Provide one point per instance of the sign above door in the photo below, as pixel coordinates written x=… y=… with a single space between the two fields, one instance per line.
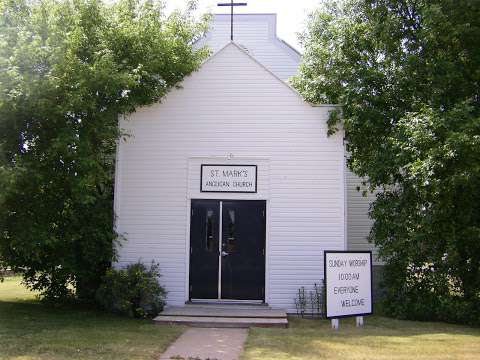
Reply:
x=228 y=178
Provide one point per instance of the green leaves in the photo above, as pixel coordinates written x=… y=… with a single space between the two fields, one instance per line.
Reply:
x=68 y=70
x=133 y=291
x=407 y=74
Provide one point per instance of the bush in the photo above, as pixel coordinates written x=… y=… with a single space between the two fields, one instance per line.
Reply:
x=449 y=309
x=428 y=300
x=133 y=291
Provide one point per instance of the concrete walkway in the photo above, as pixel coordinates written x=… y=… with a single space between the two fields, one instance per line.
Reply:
x=204 y=343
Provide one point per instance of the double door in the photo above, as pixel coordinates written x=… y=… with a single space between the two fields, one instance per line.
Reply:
x=227 y=250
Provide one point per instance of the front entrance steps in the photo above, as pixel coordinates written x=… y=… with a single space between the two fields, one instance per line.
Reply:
x=223 y=316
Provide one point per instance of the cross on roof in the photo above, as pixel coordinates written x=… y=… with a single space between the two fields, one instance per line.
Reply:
x=231 y=4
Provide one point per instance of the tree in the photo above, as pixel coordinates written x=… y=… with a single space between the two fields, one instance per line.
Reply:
x=407 y=73
x=68 y=70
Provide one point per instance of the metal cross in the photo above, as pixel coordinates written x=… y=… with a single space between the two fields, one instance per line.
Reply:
x=232 y=4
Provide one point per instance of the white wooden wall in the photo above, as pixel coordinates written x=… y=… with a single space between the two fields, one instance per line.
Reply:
x=257 y=33
x=358 y=221
x=232 y=107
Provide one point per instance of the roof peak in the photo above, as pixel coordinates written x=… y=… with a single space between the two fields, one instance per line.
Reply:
x=245 y=52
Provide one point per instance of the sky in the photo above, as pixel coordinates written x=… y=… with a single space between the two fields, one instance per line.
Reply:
x=291 y=14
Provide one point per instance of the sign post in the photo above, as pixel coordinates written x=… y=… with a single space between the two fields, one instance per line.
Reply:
x=359 y=321
x=348 y=285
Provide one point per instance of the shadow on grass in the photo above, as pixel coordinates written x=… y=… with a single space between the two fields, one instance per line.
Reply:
x=34 y=330
x=33 y=315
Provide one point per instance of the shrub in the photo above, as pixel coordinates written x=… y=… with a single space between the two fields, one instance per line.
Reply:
x=133 y=291
x=429 y=303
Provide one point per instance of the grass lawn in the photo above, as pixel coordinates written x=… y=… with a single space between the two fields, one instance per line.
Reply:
x=30 y=330
x=382 y=338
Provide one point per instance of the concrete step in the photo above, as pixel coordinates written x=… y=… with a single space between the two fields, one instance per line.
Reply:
x=230 y=311
x=229 y=305
x=221 y=322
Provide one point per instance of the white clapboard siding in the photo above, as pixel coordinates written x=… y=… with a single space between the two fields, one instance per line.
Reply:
x=256 y=33
x=232 y=110
x=358 y=221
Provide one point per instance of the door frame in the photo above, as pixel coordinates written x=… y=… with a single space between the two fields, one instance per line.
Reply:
x=187 y=252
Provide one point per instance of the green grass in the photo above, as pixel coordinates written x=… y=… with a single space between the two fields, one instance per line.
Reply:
x=30 y=330
x=382 y=338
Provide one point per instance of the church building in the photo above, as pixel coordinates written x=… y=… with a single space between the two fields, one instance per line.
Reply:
x=231 y=183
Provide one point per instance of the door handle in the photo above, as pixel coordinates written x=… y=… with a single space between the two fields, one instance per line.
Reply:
x=224 y=253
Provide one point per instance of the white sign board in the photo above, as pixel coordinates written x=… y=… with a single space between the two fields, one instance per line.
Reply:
x=348 y=283
x=228 y=178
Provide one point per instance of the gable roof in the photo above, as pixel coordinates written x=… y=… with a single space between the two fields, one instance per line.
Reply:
x=285 y=84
